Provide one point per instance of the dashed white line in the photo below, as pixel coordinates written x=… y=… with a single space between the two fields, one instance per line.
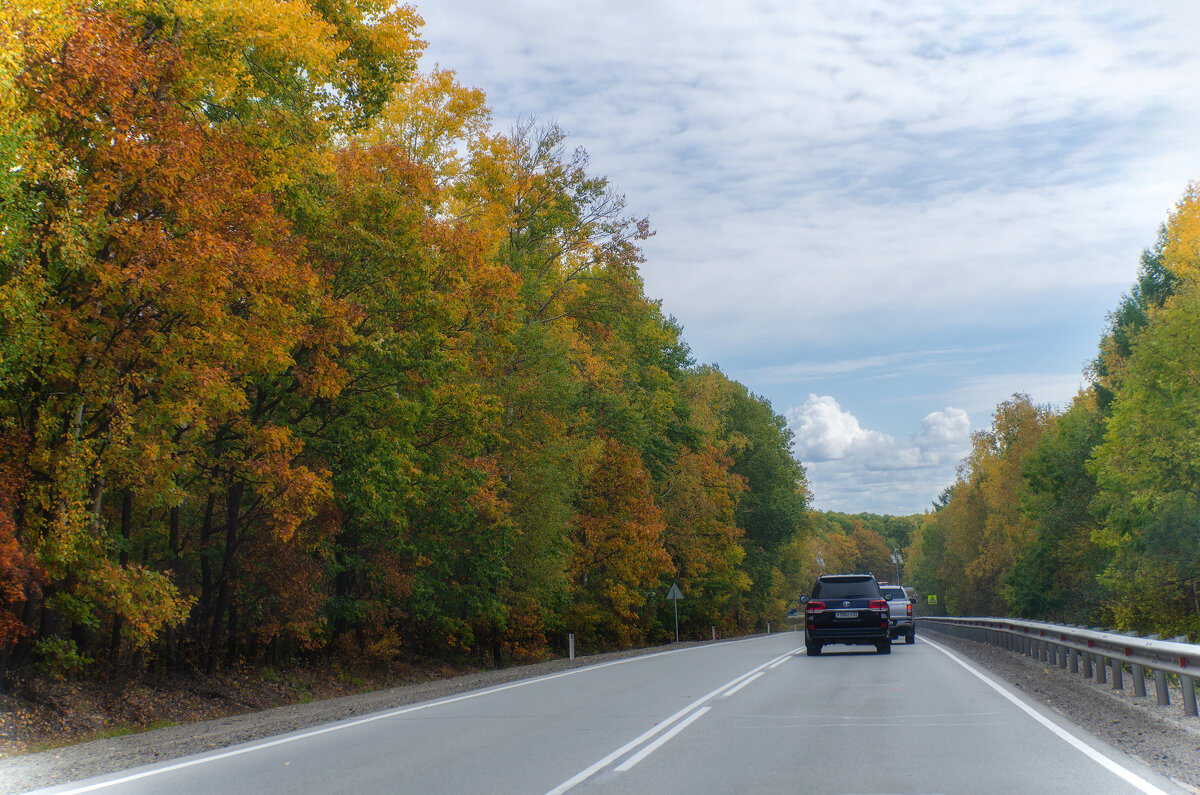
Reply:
x=744 y=683
x=779 y=662
x=596 y=767
x=654 y=746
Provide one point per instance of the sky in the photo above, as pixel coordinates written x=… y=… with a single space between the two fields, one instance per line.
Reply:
x=883 y=217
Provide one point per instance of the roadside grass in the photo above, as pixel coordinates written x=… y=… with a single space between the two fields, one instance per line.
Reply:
x=120 y=730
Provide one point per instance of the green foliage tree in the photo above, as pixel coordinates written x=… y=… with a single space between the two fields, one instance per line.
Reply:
x=1055 y=575
x=1148 y=477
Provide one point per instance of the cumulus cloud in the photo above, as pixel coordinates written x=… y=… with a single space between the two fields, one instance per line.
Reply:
x=825 y=432
x=852 y=468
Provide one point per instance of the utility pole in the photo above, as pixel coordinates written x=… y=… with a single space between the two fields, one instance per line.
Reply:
x=897 y=559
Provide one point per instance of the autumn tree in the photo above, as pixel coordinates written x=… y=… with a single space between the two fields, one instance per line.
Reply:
x=618 y=555
x=772 y=511
x=1054 y=576
x=982 y=530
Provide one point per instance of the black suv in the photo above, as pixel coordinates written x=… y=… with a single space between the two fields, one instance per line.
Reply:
x=846 y=608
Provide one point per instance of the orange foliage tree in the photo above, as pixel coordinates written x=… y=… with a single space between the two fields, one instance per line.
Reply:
x=618 y=555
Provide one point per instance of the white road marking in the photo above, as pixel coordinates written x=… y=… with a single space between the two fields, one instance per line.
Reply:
x=596 y=767
x=213 y=757
x=654 y=746
x=745 y=682
x=1108 y=764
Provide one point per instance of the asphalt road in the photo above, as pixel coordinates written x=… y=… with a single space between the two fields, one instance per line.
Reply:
x=750 y=716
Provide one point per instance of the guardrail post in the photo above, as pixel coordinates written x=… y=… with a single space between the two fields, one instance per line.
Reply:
x=1118 y=680
x=571 y=645
x=1101 y=669
x=1160 y=679
x=1160 y=686
x=1062 y=660
x=1188 y=685
x=1139 y=680
x=1087 y=664
x=1074 y=654
x=1189 y=694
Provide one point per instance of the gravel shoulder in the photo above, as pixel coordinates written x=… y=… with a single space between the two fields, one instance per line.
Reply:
x=1161 y=737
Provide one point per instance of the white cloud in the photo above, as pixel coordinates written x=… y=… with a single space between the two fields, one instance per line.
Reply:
x=824 y=432
x=840 y=166
x=934 y=193
x=982 y=393
x=944 y=430
x=851 y=468
x=891 y=365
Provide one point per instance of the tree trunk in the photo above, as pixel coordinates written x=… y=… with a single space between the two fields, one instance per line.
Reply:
x=114 y=644
x=173 y=630
x=206 y=578
x=233 y=505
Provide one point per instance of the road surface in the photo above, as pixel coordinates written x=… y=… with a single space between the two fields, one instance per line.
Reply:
x=747 y=716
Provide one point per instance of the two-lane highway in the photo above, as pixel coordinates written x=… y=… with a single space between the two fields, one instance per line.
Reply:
x=745 y=716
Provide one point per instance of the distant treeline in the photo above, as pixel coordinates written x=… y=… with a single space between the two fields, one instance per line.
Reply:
x=300 y=357
x=1091 y=513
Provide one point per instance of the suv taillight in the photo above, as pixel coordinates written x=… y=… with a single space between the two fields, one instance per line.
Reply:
x=815 y=607
x=881 y=605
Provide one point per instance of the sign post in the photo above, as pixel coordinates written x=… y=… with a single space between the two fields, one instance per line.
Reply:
x=675 y=595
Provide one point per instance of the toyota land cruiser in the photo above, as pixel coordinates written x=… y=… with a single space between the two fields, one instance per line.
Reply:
x=846 y=608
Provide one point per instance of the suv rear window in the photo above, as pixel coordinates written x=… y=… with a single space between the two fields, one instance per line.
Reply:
x=848 y=588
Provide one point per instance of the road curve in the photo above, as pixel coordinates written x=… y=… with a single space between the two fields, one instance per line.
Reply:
x=744 y=716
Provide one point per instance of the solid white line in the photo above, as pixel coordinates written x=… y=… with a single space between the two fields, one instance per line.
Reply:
x=591 y=770
x=360 y=721
x=654 y=746
x=780 y=662
x=745 y=682
x=1108 y=764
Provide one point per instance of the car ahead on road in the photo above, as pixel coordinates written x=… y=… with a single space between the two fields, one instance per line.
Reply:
x=900 y=607
x=846 y=608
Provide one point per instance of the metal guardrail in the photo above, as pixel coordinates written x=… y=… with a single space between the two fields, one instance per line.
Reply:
x=1093 y=652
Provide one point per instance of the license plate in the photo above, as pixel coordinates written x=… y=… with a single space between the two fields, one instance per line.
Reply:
x=846 y=614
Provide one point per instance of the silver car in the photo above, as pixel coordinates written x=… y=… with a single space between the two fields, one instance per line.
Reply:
x=900 y=608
